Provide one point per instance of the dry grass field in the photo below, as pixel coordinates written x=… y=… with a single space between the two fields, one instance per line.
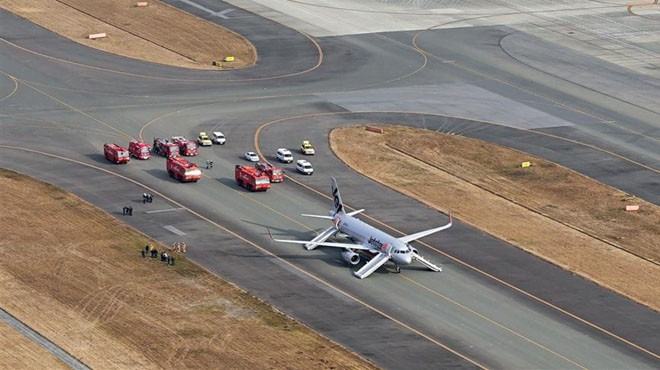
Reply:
x=19 y=352
x=548 y=210
x=74 y=274
x=157 y=33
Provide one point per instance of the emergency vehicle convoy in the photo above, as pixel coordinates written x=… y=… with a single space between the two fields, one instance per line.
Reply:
x=115 y=153
x=165 y=148
x=180 y=169
x=139 y=149
x=251 y=179
x=186 y=147
x=275 y=174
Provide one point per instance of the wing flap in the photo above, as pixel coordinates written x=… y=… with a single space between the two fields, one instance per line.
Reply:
x=372 y=265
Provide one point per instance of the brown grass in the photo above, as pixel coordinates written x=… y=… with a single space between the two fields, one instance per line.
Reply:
x=19 y=352
x=158 y=33
x=74 y=274
x=555 y=213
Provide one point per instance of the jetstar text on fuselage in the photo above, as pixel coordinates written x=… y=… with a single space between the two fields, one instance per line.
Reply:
x=376 y=243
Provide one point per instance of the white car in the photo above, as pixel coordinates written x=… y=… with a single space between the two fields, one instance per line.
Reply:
x=218 y=137
x=251 y=156
x=284 y=155
x=304 y=167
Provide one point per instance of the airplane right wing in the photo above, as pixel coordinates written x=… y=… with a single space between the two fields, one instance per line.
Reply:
x=421 y=234
x=372 y=265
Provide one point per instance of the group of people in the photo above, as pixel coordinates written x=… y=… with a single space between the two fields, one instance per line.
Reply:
x=179 y=247
x=153 y=252
x=209 y=164
x=147 y=198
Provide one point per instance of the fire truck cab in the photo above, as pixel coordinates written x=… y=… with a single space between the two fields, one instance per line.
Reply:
x=251 y=179
x=139 y=149
x=186 y=147
x=275 y=174
x=165 y=148
x=180 y=169
x=115 y=153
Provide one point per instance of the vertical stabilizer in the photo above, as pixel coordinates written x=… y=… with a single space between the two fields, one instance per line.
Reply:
x=336 y=198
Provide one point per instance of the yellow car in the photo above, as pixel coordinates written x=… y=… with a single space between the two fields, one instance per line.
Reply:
x=307 y=148
x=204 y=140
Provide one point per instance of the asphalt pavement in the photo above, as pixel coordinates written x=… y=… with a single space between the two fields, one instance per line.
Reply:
x=492 y=306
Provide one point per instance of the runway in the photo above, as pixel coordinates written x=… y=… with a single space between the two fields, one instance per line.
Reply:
x=493 y=306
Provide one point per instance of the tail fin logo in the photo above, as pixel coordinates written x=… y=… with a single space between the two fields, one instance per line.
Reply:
x=339 y=207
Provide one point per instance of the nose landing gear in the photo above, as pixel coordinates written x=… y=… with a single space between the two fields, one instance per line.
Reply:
x=397 y=269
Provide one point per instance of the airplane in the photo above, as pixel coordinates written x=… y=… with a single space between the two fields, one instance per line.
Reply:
x=378 y=245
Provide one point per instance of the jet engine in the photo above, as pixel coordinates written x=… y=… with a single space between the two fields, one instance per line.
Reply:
x=350 y=257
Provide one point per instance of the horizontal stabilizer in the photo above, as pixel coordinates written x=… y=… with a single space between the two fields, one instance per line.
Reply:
x=355 y=212
x=318 y=216
x=372 y=265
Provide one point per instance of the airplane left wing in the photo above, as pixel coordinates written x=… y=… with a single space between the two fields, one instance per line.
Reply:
x=421 y=234
x=323 y=244
x=327 y=233
x=372 y=265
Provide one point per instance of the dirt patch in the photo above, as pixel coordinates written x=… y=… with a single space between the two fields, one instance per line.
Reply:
x=111 y=308
x=157 y=33
x=555 y=213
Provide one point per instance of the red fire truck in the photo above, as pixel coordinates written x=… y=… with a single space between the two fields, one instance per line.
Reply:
x=115 y=153
x=275 y=174
x=165 y=148
x=186 y=147
x=139 y=149
x=251 y=179
x=182 y=170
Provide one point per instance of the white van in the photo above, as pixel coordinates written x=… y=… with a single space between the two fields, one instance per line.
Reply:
x=284 y=155
x=218 y=137
x=304 y=167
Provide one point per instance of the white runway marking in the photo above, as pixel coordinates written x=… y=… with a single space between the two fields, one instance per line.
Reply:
x=174 y=230
x=220 y=14
x=165 y=210
x=223 y=14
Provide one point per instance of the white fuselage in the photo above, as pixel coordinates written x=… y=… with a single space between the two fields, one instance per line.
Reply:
x=377 y=240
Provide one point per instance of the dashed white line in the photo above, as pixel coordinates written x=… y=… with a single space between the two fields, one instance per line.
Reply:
x=165 y=210
x=174 y=230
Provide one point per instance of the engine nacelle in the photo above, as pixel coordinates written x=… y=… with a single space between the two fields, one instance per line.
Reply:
x=350 y=257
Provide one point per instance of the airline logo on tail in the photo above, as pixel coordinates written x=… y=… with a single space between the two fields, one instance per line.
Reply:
x=339 y=206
